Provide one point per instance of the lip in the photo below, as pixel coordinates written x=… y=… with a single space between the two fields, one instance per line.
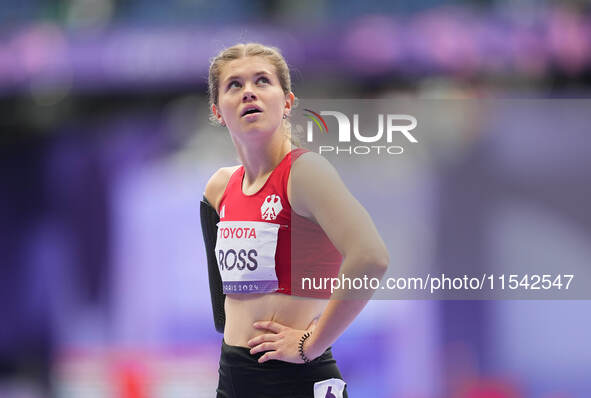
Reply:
x=249 y=108
x=251 y=117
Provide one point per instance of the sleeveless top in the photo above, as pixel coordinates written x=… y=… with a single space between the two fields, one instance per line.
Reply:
x=263 y=246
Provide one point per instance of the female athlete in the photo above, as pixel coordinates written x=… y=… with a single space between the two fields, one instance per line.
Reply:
x=280 y=216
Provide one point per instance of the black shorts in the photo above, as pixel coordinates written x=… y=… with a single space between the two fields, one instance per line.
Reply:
x=241 y=376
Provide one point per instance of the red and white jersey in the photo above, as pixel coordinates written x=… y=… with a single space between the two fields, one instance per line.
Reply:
x=256 y=236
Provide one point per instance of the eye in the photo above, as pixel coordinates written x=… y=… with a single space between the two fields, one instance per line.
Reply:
x=263 y=79
x=233 y=83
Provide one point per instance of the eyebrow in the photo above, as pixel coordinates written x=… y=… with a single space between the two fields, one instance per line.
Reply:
x=238 y=77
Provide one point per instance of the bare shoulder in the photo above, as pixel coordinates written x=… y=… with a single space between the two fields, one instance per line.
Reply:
x=217 y=185
x=312 y=161
x=311 y=168
x=312 y=176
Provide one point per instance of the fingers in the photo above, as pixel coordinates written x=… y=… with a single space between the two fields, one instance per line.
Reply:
x=263 y=347
x=262 y=339
x=269 y=325
x=269 y=355
x=280 y=344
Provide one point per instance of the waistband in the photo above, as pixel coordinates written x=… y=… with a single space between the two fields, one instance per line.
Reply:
x=236 y=356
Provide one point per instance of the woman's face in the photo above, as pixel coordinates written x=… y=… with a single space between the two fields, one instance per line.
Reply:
x=250 y=97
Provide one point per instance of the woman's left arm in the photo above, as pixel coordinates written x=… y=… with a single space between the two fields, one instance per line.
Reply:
x=317 y=192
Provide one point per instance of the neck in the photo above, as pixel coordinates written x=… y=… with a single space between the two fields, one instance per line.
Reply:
x=260 y=158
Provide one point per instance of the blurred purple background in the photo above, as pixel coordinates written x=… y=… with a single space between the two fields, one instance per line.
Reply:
x=106 y=149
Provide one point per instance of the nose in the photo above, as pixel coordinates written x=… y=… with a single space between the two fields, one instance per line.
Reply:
x=248 y=94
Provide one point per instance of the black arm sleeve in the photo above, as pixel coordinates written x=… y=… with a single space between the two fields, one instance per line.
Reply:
x=209 y=220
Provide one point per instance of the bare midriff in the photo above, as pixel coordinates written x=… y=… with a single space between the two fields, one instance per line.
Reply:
x=242 y=310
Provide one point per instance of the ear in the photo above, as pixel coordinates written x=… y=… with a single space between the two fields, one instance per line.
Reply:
x=289 y=100
x=217 y=114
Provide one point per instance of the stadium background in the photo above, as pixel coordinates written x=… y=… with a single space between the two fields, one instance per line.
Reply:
x=105 y=150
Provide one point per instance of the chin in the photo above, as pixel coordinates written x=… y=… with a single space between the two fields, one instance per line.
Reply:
x=255 y=130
